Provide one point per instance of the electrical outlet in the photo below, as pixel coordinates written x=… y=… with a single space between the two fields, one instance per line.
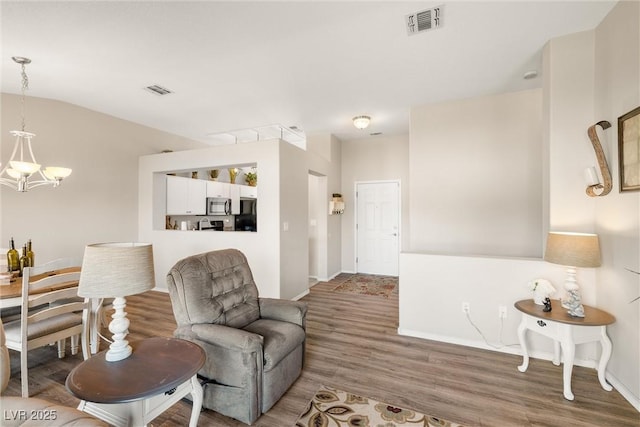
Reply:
x=502 y=312
x=465 y=307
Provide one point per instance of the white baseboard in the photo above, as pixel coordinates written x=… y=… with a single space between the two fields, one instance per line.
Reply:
x=326 y=279
x=297 y=297
x=482 y=345
x=624 y=391
x=163 y=290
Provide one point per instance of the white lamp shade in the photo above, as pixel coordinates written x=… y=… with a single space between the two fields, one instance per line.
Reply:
x=573 y=249
x=116 y=270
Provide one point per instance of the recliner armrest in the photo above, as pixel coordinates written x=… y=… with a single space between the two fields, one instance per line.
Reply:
x=283 y=310
x=222 y=336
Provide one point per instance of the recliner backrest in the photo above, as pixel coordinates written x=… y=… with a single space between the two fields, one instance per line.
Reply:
x=214 y=287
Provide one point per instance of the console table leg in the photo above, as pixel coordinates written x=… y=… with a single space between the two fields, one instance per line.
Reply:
x=556 y=353
x=604 y=359
x=196 y=395
x=568 y=353
x=522 y=329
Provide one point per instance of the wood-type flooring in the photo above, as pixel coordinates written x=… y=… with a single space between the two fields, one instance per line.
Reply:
x=352 y=344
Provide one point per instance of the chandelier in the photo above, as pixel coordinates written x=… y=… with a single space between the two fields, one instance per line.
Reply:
x=22 y=166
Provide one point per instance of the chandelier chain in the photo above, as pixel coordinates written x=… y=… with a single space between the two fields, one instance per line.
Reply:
x=25 y=87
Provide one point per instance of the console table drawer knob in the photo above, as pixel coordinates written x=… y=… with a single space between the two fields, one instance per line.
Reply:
x=541 y=323
x=170 y=392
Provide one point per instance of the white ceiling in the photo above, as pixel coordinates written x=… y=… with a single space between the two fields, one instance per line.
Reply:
x=310 y=64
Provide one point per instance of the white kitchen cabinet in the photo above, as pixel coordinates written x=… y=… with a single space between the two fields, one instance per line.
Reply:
x=234 y=195
x=186 y=196
x=218 y=189
x=248 y=192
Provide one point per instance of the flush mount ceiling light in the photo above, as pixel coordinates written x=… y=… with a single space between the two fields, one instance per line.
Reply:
x=532 y=74
x=18 y=171
x=361 y=122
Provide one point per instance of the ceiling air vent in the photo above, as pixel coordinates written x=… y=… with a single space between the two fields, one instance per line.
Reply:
x=158 y=90
x=424 y=20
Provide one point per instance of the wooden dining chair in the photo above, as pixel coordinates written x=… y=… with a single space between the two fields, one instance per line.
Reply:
x=60 y=314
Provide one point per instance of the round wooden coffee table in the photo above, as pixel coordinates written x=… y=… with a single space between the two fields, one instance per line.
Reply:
x=134 y=391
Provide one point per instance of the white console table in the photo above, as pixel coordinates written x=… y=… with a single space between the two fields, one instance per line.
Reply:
x=566 y=331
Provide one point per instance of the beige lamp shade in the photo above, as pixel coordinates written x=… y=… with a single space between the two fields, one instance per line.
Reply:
x=116 y=270
x=573 y=249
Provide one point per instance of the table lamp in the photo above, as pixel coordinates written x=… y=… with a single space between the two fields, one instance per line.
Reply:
x=573 y=250
x=117 y=270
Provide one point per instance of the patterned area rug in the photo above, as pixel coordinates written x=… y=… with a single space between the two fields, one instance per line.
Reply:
x=369 y=284
x=335 y=408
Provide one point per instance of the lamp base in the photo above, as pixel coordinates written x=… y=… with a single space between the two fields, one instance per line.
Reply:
x=119 y=327
x=573 y=303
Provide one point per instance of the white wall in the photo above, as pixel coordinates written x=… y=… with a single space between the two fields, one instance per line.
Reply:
x=593 y=76
x=98 y=202
x=570 y=83
x=476 y=177
x=433 y=287
x=588 y=77
x=324 y=160
x=294 y=212
x=372 y=159
x=569 y=110
x=617 y=91
x=262 y=248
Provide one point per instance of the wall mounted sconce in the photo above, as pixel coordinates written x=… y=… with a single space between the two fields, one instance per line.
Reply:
x=594 y=187
x=336 y=205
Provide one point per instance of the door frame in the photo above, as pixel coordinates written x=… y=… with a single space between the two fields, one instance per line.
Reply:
x=355 y=216
x=320 y=249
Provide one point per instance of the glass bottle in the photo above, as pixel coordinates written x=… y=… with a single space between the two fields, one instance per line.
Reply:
x=13 y=261
x=30 y=254
x=24 y=260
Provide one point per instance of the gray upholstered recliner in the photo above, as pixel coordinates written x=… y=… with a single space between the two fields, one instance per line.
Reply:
x=254 y=346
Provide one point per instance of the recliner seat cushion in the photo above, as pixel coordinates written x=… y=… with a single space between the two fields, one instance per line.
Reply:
x=280 y=339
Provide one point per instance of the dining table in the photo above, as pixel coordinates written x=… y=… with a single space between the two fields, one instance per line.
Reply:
x=11 y=296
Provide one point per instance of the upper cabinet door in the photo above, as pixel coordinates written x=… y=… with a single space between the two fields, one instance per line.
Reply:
x=234 y=194
x=197 y=204
x=186 y=196
x=217 y=189
x=248 y=192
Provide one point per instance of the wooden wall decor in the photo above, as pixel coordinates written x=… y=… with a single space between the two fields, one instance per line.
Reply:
x=604 y=188
x=629 y=150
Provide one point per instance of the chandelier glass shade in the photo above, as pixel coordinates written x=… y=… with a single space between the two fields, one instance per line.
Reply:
x=22 y=172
